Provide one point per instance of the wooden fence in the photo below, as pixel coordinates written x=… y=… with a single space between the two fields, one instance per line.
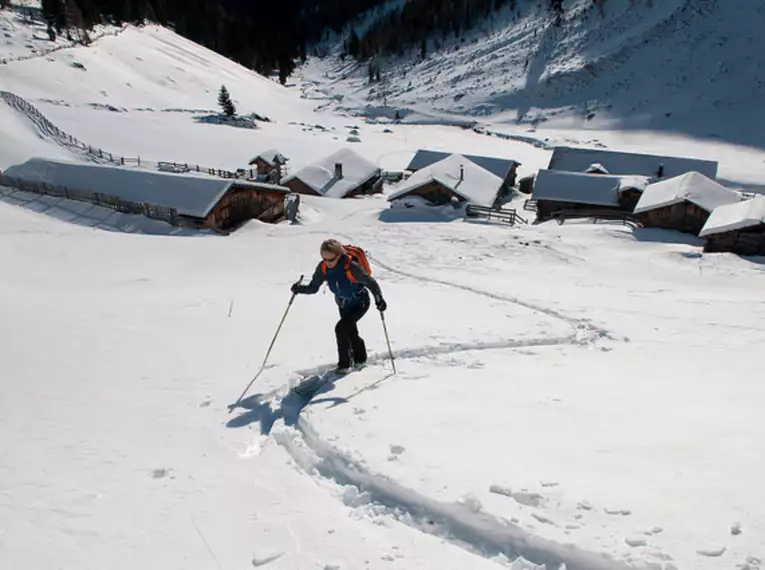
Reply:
x=509 y=216
x=596 y=216
x=99 y=155
x=59 y=47
x=154 y=211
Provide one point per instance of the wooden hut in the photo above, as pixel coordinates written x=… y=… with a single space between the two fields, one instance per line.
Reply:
x=575 y=159
x=455 y=178
x=198 y=200
x=682 y=203
x=504 y=168
x=343 y=174
x=269 y=165
x=737 y=228
x=559 y=193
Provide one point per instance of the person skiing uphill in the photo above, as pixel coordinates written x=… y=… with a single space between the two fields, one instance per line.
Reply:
x=341 y=267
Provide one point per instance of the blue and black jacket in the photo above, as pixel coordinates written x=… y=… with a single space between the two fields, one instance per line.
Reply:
x=347 y=293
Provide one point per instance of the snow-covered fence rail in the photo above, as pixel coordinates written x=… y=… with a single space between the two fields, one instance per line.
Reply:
x=154 y=211
x=48 y=129
x=509 y=216
x=624 y=218
x=59 y=47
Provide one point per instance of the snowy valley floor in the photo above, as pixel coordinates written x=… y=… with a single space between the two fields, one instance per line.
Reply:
x=563 y=393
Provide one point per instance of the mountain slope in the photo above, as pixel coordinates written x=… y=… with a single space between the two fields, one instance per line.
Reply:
x=687 y=66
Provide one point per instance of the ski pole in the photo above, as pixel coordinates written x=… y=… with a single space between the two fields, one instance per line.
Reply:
x=262 y=367
x=387 y=339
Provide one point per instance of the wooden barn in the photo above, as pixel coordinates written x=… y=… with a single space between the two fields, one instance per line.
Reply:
x=737 y=228
x=559 y=193
x=504 y=168
x=682 y=203
x=198 y=200
x=575 y=159
x=343 y=174
x=455 y=179
x=269 y=165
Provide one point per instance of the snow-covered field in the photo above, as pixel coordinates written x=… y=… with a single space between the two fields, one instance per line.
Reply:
x=580 y=394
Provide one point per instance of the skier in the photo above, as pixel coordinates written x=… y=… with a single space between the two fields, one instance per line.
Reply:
x=346 y=270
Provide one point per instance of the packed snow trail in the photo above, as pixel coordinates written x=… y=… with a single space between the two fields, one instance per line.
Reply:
x=477 y=531
x=473 y=529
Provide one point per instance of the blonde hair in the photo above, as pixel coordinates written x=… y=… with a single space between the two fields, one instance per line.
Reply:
x=332 y=246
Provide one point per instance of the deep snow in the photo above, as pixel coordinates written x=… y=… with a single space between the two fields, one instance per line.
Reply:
x=580 y=393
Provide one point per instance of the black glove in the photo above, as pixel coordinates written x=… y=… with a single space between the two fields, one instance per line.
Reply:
x=296 y=288
x=381 y=304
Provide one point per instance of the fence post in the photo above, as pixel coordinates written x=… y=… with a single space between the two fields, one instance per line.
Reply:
x=139 y=161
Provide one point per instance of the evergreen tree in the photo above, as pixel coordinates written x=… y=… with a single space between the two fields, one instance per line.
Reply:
x=354 y=45
x=556 y=8
x=286 y=67
x=225 y=102
x=53 y=12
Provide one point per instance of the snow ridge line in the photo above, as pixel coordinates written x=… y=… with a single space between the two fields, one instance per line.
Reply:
x=469 y=528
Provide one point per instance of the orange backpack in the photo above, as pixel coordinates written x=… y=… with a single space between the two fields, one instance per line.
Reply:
x=352 y=253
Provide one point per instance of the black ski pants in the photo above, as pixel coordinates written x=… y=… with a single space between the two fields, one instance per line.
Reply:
x=350 y=346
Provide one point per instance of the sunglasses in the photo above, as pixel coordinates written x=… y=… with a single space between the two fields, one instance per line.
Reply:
x=330 y=259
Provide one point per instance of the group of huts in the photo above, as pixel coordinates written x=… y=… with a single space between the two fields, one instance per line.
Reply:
x=647 y=190
x=653 y=191
x=188 y=196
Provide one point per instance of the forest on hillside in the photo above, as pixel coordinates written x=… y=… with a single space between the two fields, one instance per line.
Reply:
x=266 y=36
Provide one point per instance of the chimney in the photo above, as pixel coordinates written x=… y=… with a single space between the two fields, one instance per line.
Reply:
x=338 y=170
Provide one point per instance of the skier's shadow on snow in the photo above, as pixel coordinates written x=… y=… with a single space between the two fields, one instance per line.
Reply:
x=259 y=406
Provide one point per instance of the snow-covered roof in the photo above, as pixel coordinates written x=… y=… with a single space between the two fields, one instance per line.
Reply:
x=574 y=159
x=597 y=168
x=582 y=188
x=691 y=187
x=736 y=216
x=270 y=157
x=476 y=185
x=189 y=194
x=320 y=176
x=498 y=166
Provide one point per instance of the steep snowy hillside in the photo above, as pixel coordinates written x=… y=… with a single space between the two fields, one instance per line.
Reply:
x=692 y=67
x=147 y=92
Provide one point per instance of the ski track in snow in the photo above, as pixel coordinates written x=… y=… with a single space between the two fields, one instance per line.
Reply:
x=585 y=332
x=476 y=531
